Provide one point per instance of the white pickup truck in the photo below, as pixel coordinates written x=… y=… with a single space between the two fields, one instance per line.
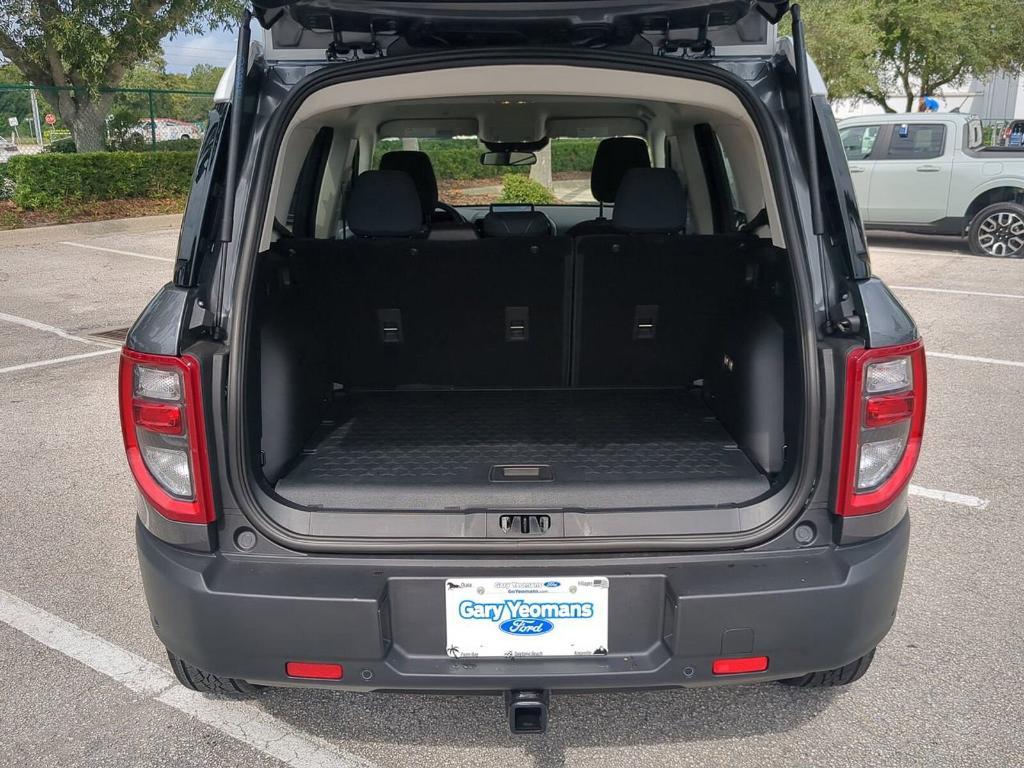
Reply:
x=930 y=173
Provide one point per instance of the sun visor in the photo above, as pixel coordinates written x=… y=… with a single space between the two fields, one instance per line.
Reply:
x=595 y=127
x=427 y=128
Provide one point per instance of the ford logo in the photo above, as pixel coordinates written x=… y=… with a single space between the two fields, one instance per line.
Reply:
x=552 y=584
x=526 y=626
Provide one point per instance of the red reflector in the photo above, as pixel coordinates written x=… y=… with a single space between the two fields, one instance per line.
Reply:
x=158 y=417
x=889 y=409
x=739 y=666
x=314 y=671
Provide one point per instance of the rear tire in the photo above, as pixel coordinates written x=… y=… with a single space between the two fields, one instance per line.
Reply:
x=998 y=231
x=206 y=682
x=832 y=678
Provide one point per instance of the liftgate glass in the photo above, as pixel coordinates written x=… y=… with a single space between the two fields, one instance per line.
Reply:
x=526 y=617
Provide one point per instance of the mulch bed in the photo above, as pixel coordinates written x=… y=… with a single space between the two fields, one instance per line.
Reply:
x=13 y=217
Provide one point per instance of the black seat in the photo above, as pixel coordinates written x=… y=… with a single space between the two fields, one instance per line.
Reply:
x=405 y=310
x=635 y=297
x=444 y=222
x=614 y=157
x=367 y=214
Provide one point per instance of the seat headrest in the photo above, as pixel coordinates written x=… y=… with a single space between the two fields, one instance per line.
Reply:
x=418 y=166
x=384 y=204
x=614 y=157
x=650 y=200
x=516 y=224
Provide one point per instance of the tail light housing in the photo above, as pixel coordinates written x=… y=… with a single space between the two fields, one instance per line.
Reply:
x=883 y=422
x=164 y=434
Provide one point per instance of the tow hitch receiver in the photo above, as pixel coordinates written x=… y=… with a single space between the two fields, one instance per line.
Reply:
x=527 y=711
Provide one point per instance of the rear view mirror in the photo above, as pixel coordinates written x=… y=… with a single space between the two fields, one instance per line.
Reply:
x=508 y=158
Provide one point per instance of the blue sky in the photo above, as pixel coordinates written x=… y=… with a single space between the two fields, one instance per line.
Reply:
x=185 y=51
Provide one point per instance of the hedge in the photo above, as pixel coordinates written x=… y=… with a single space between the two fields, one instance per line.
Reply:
x=522 y=189
x=54 y=180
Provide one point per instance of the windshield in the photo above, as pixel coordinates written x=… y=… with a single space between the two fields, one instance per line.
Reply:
x=560 y=176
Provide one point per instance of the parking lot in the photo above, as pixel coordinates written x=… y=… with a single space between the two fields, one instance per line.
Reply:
x=85 y=681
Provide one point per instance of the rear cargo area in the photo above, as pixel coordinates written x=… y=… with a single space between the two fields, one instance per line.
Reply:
x=624 y=448
x=599 y=372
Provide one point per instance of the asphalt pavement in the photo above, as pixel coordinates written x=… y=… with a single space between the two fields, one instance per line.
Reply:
x=83 y=679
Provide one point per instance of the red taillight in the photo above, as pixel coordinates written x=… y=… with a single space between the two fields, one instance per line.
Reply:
x=743 y=666
x=164 y=434
x=888 y=409
x=314 y=670
x=886 y=391
x=158 y=417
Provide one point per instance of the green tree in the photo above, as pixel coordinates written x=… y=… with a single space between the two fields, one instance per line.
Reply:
x=204 y=77
x=85 y=45
x=871 y=49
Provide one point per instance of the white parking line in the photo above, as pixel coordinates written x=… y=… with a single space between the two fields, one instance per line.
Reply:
x=115 y=250
x=952 y=498
x=241 y=721
x=35 y=325
x=959 y=293
x=972 y=359
x=57 y=360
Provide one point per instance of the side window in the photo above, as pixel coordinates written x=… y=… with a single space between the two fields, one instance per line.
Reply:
x=859 y=141
x=917 y=142
x=302 y=212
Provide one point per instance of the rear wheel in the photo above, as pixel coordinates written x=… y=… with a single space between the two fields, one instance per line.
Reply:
x=205 y=682
x=998 y=231
x=831 y=678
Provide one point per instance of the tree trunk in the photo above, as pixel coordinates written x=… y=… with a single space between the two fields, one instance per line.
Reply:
x=541 y=170
x=86 y=115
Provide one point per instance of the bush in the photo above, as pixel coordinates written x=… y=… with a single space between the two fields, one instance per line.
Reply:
x=53 y=180
x=62 y=146
x=518 y=188
x=6 y=183
x=132 y=143
x=573 y=154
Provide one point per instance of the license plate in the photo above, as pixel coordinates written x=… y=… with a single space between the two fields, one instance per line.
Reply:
x=494 y=618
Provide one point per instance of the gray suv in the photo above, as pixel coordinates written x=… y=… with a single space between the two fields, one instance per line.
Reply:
x=409 y=419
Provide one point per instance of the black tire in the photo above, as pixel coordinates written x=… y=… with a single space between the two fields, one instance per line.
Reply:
x=205 y=682
x=832 y=678
x=998 y=231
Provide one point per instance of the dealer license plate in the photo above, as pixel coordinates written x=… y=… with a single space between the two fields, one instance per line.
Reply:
x=552 y=616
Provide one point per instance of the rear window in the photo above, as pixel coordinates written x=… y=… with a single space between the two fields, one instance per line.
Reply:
x=917 y=142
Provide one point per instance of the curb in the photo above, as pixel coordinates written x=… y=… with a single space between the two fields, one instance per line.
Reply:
x=58 y=232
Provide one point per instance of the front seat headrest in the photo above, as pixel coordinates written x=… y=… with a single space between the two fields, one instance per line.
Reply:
x=650 y=200
x=614 y=157
x=384 y=204
x=418 y=166
x=516 y=224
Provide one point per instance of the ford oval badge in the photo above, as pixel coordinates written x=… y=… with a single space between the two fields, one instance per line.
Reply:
x=526 y=627
x=552 y=584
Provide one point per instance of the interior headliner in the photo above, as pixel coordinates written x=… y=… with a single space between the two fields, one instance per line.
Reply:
x=573 y=100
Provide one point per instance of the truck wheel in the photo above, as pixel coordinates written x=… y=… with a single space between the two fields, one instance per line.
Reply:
x=205 y=682
x=831 y=678
x=998 y=231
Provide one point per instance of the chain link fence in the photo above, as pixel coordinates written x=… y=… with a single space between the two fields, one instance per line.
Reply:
x=138 y=119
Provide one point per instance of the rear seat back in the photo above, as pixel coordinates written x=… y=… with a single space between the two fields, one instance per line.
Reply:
x=408 y=311
x=649 y=299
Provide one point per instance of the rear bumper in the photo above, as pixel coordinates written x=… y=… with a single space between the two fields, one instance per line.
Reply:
x=383 y=619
